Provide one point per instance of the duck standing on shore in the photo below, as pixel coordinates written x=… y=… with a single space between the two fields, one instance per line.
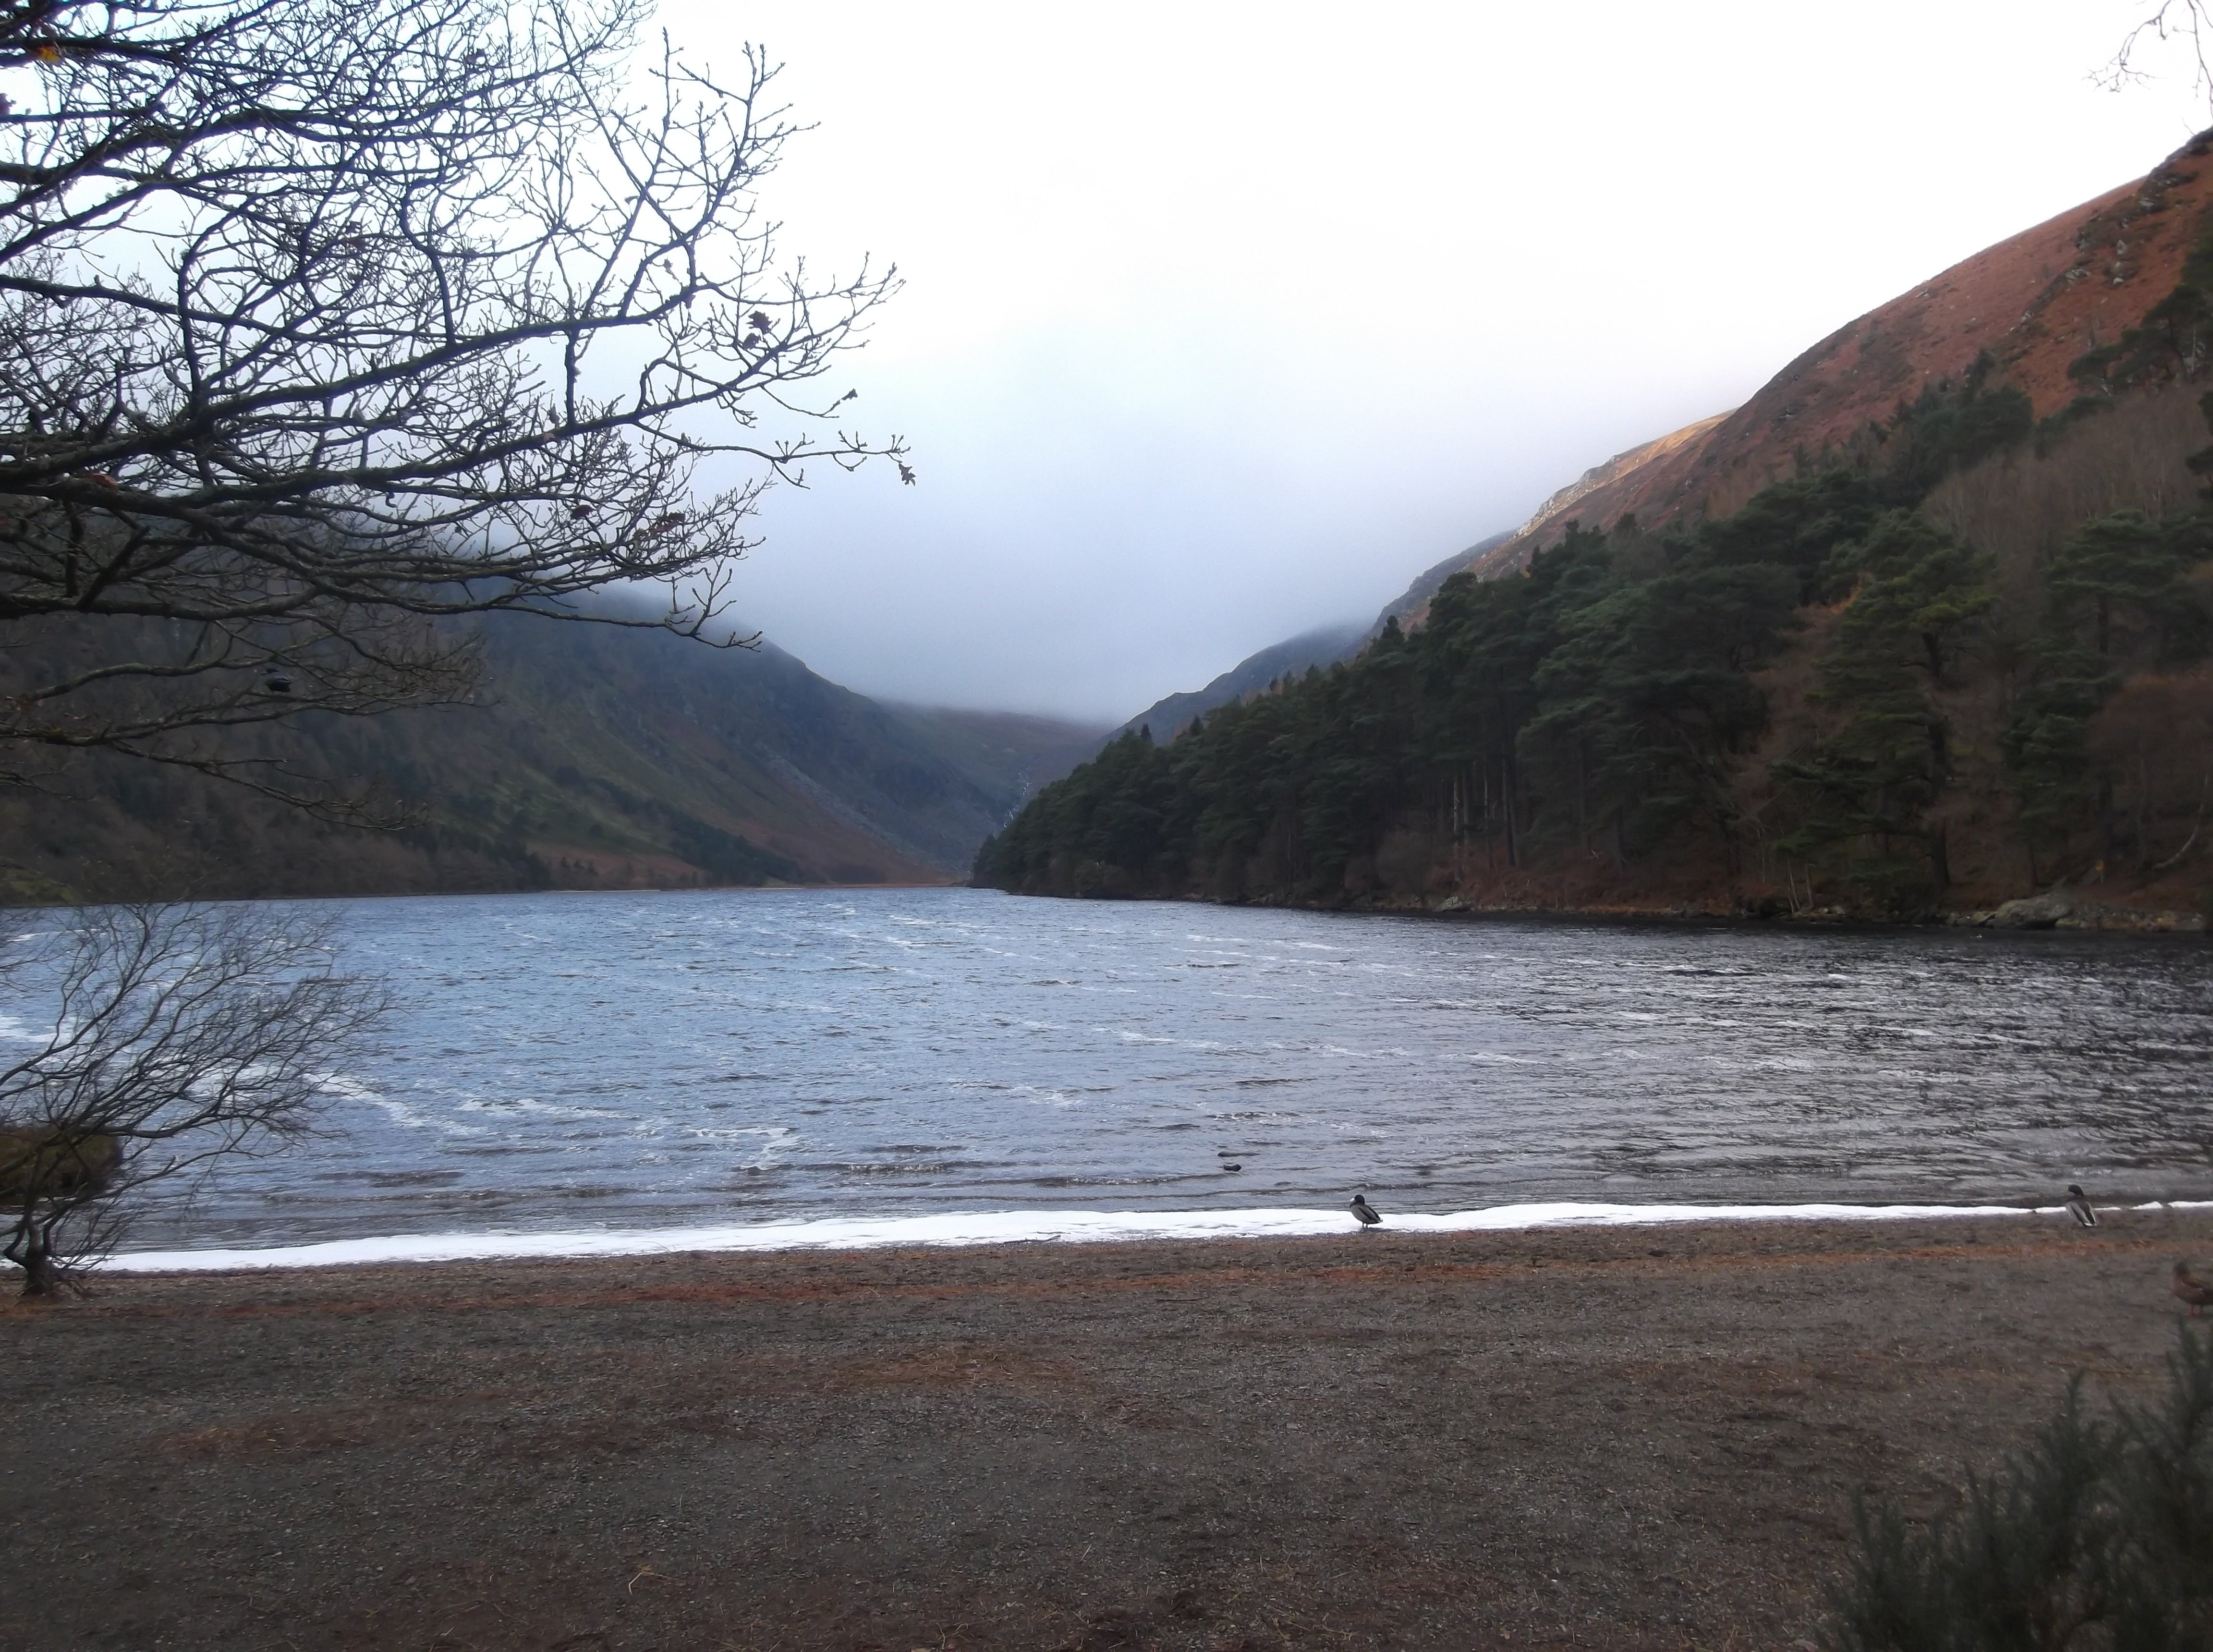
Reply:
x=2078 y=1206
x=2190 y=1288
x=1366 y=1212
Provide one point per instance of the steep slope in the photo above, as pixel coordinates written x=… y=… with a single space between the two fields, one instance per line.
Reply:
x=2035 y=305
x=1511 y=549
x=600 y=758
x=1408 y=606
x=1170 y=717
x=1002 y=748
x=755 y=739
x=1926 y=626
x=1326 y=645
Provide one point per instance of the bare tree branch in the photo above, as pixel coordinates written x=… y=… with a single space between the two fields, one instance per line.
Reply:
x=323 y=319
x=178 y=1035
x=2172 y=20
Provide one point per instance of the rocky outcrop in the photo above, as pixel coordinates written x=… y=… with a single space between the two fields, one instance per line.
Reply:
x=2041 y=912
x=2064 y=908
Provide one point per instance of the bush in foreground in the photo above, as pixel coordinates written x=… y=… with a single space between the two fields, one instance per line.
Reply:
x=2100 y=1534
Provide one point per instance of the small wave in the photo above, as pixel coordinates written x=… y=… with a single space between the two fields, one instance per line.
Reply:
x=393 y=1178
x=15 y=1030
x=532 y=1105
x=405 y=1114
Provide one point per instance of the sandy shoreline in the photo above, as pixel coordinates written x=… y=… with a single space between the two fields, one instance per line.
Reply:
x=1059 y=1227
x=1584 y=1437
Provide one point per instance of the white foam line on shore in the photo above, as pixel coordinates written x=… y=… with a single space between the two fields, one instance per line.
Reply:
x=1009 y=1226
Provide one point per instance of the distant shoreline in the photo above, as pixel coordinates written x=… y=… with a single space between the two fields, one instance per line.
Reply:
x=506 y=894
x=2097 y=919
x=2107 y=921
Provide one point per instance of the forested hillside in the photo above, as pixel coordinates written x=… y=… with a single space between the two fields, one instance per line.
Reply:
x=1956 y=657
x=598 y=758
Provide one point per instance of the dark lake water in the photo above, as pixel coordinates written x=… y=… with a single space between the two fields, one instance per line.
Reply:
x=573 y=1062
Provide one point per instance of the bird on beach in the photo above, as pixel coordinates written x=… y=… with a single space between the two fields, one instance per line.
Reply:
x=2078 y=1206
x=1366 y=1212
x=2190 y=1288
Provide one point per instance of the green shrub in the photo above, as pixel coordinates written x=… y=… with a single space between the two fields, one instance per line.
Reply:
x=2100 y=1534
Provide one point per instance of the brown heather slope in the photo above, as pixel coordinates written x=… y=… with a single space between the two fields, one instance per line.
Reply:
x=597 y=758
x=2036 y=302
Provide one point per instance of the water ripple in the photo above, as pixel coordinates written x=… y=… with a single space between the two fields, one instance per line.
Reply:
x=788 y=1056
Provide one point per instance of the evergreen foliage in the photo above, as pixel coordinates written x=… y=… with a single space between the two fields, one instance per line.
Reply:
x=1871 y=778
x=1610 y=703
x=1945 y=430
x=2120 y=600
x=2173 y=341
x=2099 y=1534
x=1601 y=704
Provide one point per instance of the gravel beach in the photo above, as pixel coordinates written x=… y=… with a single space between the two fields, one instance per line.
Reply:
x=1591 y=1438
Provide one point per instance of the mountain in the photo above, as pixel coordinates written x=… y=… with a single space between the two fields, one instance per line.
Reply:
x=1410 y=604
x=1170 y=717
x=1925 y=627
x=601 y=757
x=2036 y=304
x=1030 y=751
x=1326 y=645
x=2051 y=310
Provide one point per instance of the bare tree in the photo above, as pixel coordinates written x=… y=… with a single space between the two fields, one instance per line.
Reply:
x=322 y=321
x=180 y=1035
x=2171 y=19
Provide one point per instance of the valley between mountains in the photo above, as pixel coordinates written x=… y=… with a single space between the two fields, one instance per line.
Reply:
x=1921 y=629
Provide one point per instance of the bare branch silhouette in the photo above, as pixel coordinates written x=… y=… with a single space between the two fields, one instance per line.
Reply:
x=324 y=321
x=180 y=1035
x=2172 y=20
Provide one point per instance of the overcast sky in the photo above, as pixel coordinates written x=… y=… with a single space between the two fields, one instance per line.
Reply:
x=1221 y=321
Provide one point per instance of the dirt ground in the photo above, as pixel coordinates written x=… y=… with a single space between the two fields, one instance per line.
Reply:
x=1603 y=1438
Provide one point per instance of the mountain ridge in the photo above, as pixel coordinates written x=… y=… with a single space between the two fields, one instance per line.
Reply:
x=2036 y=304
x=599 y=757
x=1923 y=627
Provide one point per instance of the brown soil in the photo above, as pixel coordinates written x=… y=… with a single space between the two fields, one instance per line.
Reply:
x=1596 y=1439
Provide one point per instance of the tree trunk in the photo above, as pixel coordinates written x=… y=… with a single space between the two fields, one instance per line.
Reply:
x=1506 y=799
x=31 y=1249
x=1490 y=836
x=1583 y=802
x=2104 y=823
x=1459 y=832
x=2144 y=811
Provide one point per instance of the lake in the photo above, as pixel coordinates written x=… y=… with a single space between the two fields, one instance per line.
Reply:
x=570 y=1061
